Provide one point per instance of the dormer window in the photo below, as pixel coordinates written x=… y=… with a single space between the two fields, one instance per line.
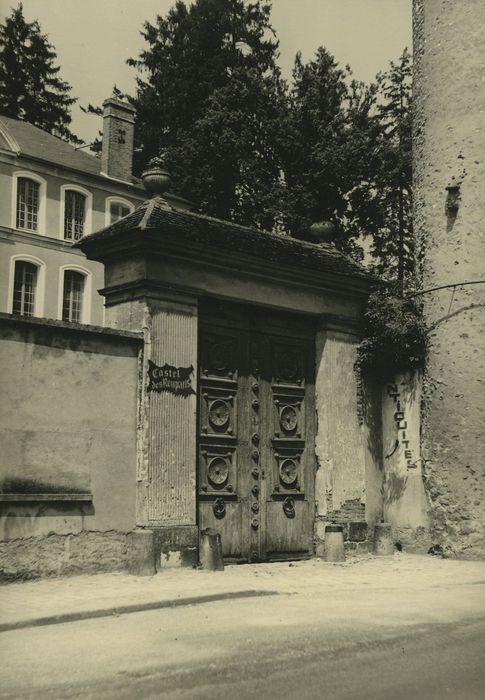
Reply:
x=74 y=215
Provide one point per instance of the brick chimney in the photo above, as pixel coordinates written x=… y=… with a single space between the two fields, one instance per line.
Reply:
x=118 y=132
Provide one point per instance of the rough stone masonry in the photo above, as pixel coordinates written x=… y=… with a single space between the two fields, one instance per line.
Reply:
x=449 y=219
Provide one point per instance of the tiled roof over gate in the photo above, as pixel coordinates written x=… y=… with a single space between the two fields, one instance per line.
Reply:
x=190 y=227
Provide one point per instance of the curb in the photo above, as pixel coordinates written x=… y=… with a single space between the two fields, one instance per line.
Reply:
x=132 y=608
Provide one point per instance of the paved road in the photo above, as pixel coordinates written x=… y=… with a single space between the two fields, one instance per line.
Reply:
x=289 y=646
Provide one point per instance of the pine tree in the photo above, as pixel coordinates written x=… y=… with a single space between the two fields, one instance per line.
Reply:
x=328 y=133
x=245 y=146
x=393 y=244
x=210 y=96
x=30 y=86
x=347 y=160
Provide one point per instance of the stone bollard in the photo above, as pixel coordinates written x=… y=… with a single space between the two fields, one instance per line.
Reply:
x=210 y=550
x=383 y=540
x=141 y=553
x=334 y=543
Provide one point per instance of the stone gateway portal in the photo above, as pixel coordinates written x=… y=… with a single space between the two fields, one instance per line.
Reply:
x=247 y=420
x=256 y=434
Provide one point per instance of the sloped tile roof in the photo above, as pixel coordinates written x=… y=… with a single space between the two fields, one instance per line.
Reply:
x=192 y=228
x=37 y=143
x=29 y=140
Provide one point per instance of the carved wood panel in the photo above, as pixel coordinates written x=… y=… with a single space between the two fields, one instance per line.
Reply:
x=256 y=433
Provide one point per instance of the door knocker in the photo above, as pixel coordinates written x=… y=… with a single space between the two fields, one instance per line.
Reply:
x=289 y=507
x=219 y=508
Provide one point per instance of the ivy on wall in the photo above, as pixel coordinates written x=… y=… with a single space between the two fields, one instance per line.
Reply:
x=395 y=335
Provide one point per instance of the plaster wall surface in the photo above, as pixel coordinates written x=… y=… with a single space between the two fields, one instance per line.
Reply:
x=348 y=476
x=193 y=278
x=449 y=150
x=68 y=426
x=166 y=452
x=169 y=481
x=370 y=419
x=404 y=498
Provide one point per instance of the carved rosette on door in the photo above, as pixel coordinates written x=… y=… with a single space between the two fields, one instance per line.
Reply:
x=218 y=423
x=256 y=432
x=288 y=441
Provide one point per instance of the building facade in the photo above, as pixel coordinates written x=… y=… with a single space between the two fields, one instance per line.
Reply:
x=204 y=399
x=220 y=394
x=51 y=194
x=449 y=219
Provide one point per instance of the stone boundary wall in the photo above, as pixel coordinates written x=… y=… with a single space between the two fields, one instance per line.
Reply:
x=68 y=421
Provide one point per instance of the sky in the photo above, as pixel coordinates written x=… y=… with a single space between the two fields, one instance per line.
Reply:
x=93 y=39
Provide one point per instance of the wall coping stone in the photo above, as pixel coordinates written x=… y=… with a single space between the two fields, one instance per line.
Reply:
x=24 y=497
x=130 y=336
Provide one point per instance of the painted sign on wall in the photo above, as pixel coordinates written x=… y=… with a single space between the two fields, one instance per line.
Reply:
x=402 y=426
x=175 y=380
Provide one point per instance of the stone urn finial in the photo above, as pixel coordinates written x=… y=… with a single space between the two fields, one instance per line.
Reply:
x=156 y=177
x=321 y=232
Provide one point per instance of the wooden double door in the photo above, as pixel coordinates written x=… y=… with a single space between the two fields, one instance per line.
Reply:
x=256 y=428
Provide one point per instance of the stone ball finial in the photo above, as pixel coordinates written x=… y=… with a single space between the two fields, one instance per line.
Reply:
x=322 y=232
x=156 y=178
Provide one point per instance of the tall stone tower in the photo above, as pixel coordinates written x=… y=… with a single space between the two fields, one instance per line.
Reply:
x=449 y=192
